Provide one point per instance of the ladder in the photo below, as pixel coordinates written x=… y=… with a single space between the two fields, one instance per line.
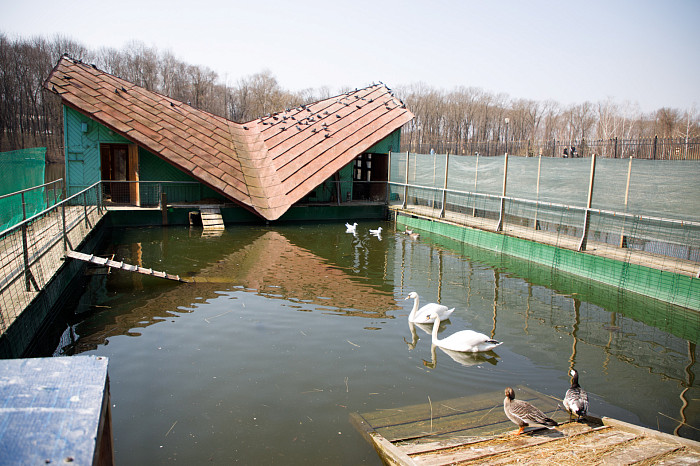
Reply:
x=120 y=265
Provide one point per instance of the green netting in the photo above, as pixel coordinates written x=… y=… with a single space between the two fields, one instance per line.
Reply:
x=545 y=202
x=19 y=170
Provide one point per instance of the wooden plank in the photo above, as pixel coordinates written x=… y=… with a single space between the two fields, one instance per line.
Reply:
x=480 y=414
x=120 y=265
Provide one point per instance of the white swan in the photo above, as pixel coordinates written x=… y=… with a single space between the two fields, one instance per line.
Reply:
x=426 y=314
x=376 y=232
x=351 y=228
x=464 y=341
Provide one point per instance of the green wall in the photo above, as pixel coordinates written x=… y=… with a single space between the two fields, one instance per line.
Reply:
x=669 y=287
x=82 y=149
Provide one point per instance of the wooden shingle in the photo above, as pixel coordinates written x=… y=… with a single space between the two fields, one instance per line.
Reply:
x=265 y=165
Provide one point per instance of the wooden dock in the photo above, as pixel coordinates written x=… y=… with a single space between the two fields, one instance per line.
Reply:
x=475 y=430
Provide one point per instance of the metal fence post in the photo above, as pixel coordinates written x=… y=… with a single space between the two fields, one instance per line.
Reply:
x=503 y=196
x=65 y=233
x=476 y=174
x=87 y=224
x=587 y=217
x=444 y=188
x=623 y=238
x=537 y=206
x=405 y=186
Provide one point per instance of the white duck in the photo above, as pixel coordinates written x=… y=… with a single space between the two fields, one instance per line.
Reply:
x=464 y=341
x=376 y=232
x=426 y=314
x=576 y=398
x=351 y=228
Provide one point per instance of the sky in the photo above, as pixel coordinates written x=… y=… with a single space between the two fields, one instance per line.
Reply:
x=641 y=53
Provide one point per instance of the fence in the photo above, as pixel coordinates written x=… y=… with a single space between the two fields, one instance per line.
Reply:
x=475 y=191
x=617 y=148
x=32 y=251
x=18 y=206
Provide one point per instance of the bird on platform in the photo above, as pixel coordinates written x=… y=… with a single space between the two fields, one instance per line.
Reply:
x=523 y=413
x=427 y=313
x=576 y=398
x=351 y=228
x=464 y=341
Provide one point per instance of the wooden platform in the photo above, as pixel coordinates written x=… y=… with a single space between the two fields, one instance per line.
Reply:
x=475 y=430
x=55 y=411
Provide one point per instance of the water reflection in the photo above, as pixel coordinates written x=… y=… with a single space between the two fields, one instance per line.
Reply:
x=269 y=265
x=465 y=359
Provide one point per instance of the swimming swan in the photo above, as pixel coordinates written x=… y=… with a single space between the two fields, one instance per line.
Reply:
x=576 y=398
x=426 y=314
x=523 y=413
x=464 y=341
x=376 y=232
x=351 y=228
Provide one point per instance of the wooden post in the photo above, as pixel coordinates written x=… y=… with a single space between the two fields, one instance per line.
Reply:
x=503 y=196
x=615 y=146
x=586 y=220
x=405 y=186
x=444 y=188
x=656 y=141
x=164 y=207
x=623 y=238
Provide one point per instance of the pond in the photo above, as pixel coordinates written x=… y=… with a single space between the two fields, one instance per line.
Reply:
x=288 y=329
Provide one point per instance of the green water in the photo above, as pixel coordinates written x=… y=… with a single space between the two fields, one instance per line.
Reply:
x=289 y=329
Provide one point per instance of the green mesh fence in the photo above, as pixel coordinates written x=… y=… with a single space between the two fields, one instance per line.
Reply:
x=642 y=213
x=21 y=170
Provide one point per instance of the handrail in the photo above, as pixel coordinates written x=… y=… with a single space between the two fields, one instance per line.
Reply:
x=30 y=189
x=26 y=222
x=556 y=205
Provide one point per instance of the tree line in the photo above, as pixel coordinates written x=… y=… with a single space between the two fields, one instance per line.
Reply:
x=31 y=116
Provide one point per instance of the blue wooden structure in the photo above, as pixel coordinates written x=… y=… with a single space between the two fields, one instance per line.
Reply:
x=55 y=411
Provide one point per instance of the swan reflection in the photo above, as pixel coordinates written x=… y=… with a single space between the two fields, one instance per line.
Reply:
x=465 y=359
x=427 y=328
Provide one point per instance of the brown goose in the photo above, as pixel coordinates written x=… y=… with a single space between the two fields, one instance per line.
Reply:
x=523 y=413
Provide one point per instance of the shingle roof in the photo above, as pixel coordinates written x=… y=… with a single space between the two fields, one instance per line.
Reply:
x=265 y=165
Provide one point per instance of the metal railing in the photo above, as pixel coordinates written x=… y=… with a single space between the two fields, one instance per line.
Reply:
x=567 y=225
x=18 y=205
x=32 y=251
x=620 y=148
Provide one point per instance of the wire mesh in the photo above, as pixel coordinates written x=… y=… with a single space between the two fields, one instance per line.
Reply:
x=546 y=201
x=32 y=251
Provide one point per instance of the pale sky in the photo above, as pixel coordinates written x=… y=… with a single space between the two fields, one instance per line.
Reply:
x=633 y=51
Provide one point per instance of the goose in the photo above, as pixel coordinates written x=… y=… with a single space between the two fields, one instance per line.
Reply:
x=376 y=232
x=523 y=413
x=408 y=232
x=426 y=314
x=464 y=341
x=351 y=228
x=576 y=398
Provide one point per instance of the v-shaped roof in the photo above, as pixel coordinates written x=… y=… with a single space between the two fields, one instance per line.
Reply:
x=265 y=165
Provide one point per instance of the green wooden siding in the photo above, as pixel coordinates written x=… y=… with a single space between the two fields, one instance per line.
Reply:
x=83 y=149
x=391 y=143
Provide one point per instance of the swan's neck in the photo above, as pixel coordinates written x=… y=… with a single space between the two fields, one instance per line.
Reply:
x=436 y=326
x=412 y=315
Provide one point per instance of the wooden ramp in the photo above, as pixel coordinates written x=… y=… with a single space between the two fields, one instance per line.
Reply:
x=211 y=218
x=474 y=430
x=120 y=265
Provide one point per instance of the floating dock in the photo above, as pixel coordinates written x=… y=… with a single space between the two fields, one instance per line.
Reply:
x=475 y=430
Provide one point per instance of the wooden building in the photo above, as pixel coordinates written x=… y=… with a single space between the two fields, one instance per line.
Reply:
x=129 y=137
